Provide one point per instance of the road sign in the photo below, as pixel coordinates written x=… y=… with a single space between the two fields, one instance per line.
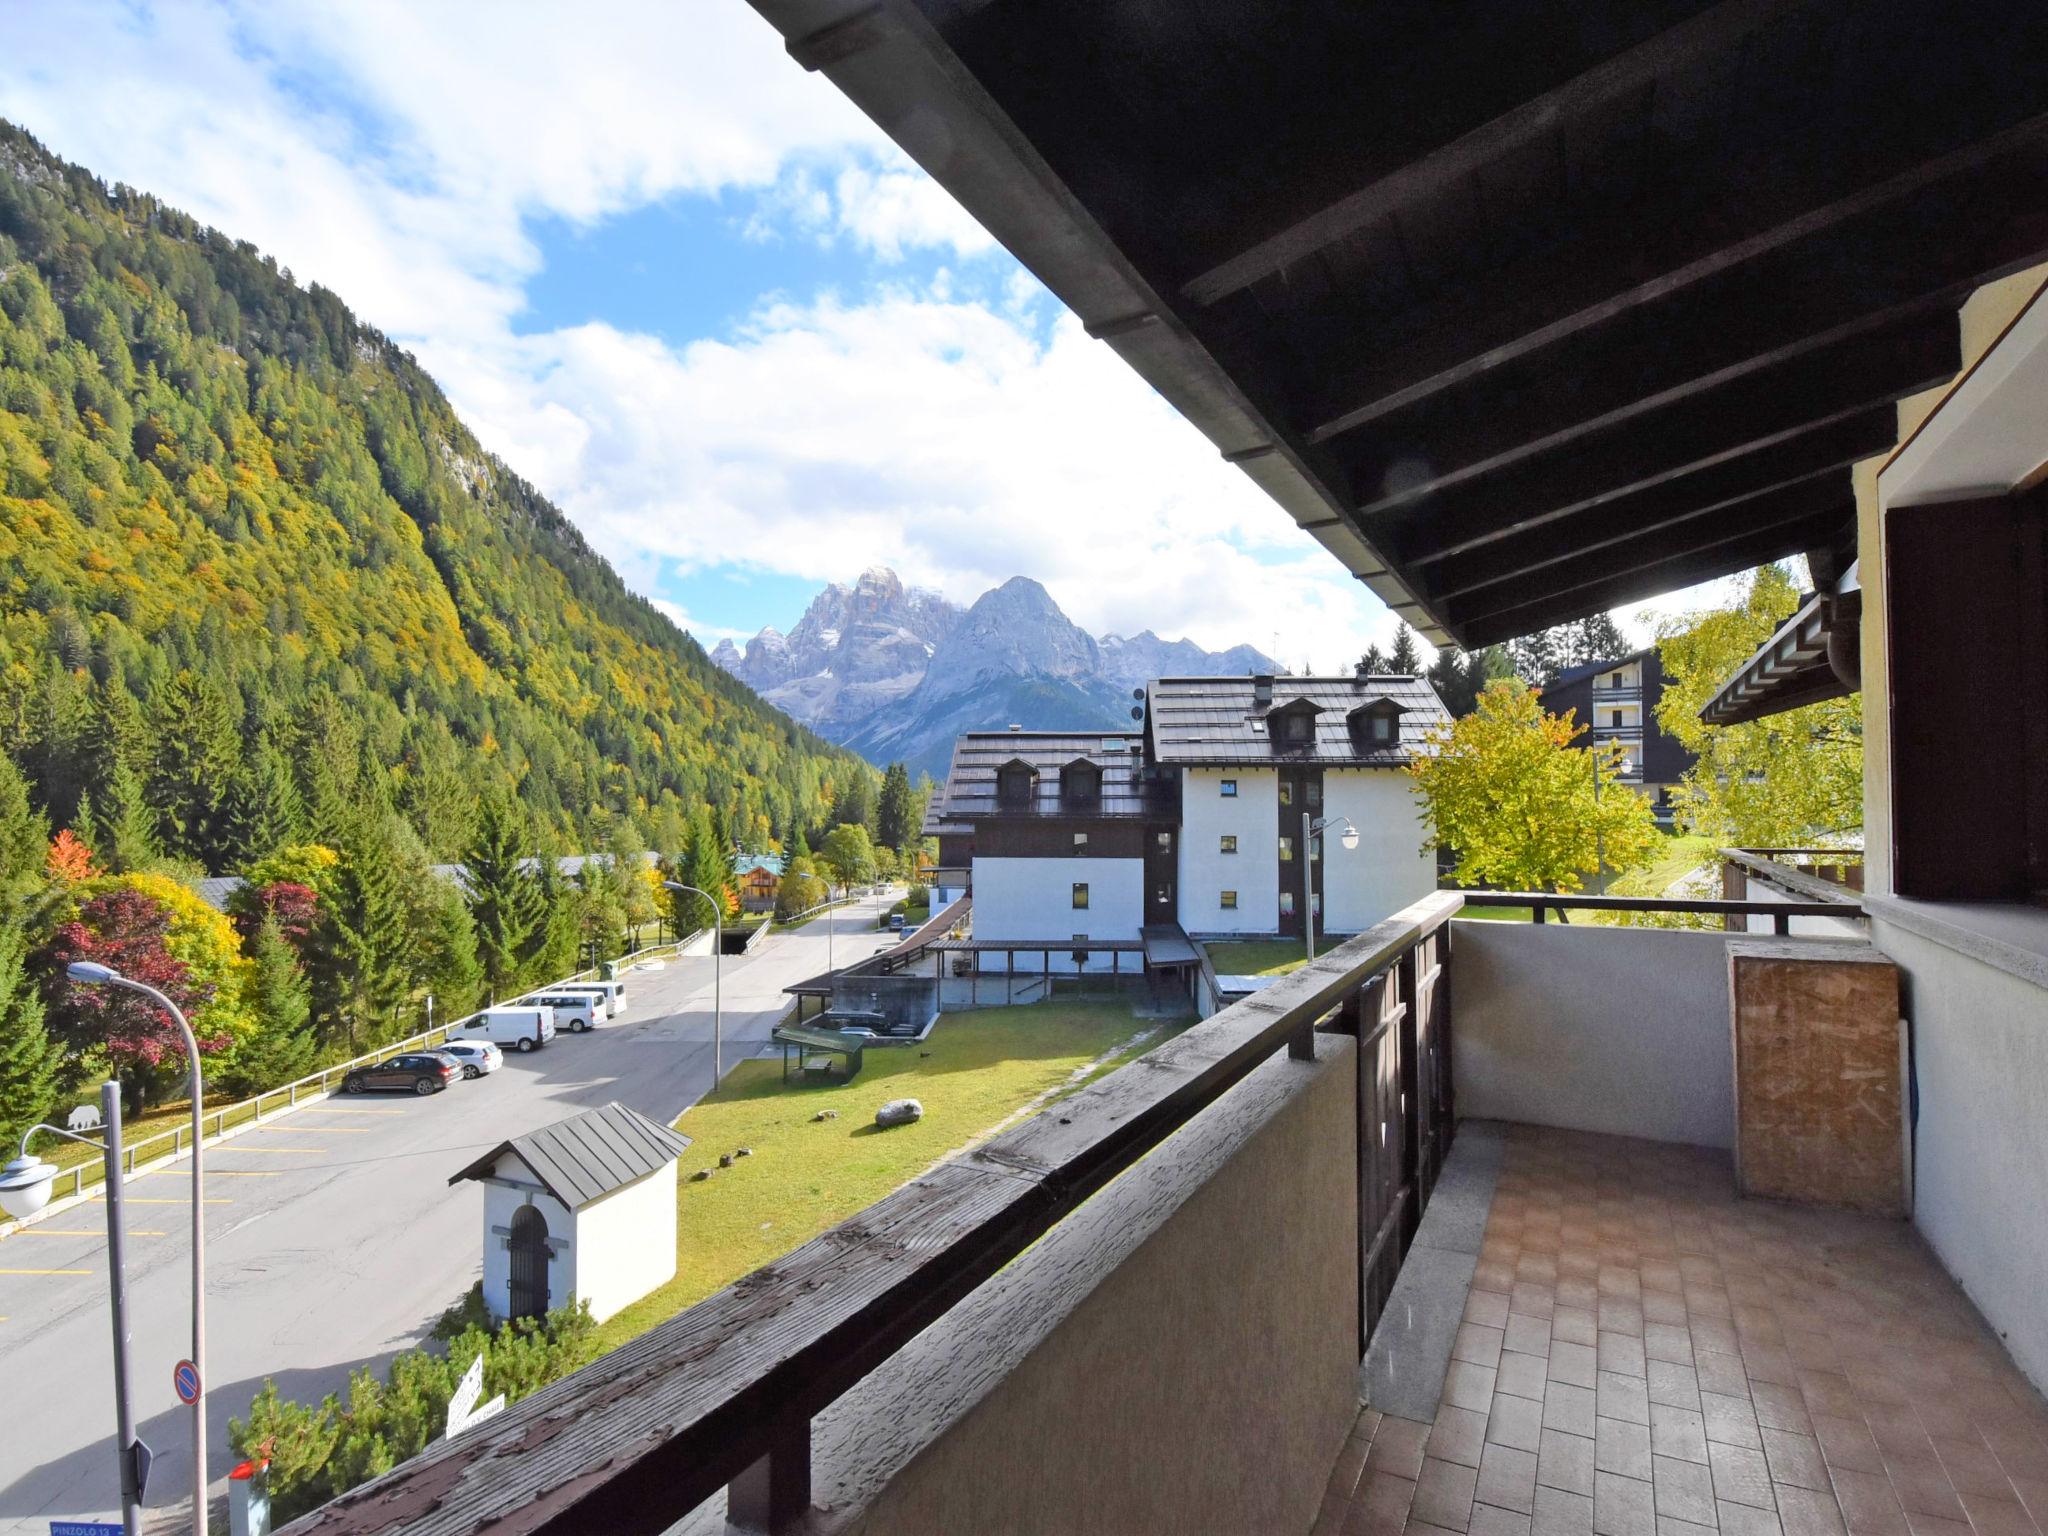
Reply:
x=139 y=1458
x=186 y=1379
x=84 y=1528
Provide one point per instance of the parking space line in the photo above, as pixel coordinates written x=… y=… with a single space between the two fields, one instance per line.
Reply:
x=147 y=1200
x=212 y=1173
x=311 y=1151
x=79 y=1232
x=323 y=1109
x=325 y=1130
x=45 y=1271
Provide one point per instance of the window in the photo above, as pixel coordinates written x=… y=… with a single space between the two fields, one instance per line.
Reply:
x=1286 y=850
x=1315 y=793
x=1287 y=792
x=1080 y=895
x=1165 y=841
x=1080 y=843
x=1287 y=903
x=1229 y=789
x=1382 y=727
x=1614 y=717
x=1227 y=844
x=1228 y=901
x=1297 y=729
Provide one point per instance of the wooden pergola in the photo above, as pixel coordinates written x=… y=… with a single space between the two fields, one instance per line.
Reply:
x=1523 y=309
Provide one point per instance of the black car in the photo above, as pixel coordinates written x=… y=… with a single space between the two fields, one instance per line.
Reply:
x=420 y=1073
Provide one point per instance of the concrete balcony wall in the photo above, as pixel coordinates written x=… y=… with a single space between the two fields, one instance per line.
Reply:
x=1179 y=1355
x=1980 y=1066
x=1624 y=1031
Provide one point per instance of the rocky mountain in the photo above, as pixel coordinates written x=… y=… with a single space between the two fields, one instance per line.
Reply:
x=897 y=672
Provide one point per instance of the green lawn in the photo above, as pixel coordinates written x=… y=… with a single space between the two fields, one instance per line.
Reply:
x=1678 y=857
x=1497 y=914
x=805 y=1175
x=1263 y=957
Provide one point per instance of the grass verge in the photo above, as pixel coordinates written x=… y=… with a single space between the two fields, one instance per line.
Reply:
x=974 y=1072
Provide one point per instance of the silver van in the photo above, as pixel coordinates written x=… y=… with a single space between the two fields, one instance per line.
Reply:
x=612 y=992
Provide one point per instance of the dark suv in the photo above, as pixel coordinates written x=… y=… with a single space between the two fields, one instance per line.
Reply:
x=422 y=1073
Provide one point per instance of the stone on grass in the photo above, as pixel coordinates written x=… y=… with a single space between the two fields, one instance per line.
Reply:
x=725 y=1161
x=744 y=1152
x=700 y=1175
x=825 y=1114
x=899 y=1112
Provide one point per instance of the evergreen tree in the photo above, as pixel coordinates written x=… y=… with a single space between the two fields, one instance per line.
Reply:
x=505 y=904
x=198 y=753
x=550 y=950
x=1372 y=664
x=1404 y=660
x=357 y=951
x=283 y=1048
x=1459 y=677
x=854 y=804
x=24 y=834
x=123 y=835
x=449 y=968
x=896 y=812
x=29 y=1058
x=264 y=809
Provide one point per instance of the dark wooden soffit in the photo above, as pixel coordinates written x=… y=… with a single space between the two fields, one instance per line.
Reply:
x=1509 y=305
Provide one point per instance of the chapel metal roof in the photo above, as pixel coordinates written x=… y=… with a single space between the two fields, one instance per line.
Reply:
x=588 y=1156
x=1199 y=720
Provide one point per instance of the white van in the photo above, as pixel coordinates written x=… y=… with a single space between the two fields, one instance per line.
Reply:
x=612 y=992
x=519 y=1027
x=574 y=1011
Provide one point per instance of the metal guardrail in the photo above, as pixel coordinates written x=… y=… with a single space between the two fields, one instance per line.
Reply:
x=723 y=1394
x=168 y=1146
x=1782 y=912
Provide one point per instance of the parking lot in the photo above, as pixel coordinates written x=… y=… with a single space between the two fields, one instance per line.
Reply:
x=333 y=1238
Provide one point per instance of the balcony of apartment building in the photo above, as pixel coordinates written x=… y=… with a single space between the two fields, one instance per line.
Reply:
x=1468 y=1226
x=1479 y=1226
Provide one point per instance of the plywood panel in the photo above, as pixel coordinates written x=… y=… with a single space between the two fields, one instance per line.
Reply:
x=1819 y=1090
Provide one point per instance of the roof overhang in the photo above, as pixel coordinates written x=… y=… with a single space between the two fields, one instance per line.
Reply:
x=1522 y=311
x=1802 y=663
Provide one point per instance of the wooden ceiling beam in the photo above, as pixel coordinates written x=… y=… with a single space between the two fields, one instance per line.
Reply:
x=1607 y=540
x=1633 y=254
x=1910 y=353
x=1477 y=625
x=1838 y=385
x=1408 y=167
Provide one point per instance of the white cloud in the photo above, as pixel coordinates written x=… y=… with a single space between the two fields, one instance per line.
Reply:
x=398 y=153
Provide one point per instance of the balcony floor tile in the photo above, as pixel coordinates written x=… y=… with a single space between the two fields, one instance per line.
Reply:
x=1712 y=1362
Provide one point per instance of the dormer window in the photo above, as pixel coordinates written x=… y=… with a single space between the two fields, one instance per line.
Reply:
x=1376 y=725
x=1080 y=782
x=1292 y=726
x=1015 y=781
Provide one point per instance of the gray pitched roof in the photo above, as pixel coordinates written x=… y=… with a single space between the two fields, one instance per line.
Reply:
x=1196 y=720
x=970 y=789
x=587 y=1156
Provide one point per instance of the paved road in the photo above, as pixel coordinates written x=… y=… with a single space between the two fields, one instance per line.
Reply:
x=333 y=1239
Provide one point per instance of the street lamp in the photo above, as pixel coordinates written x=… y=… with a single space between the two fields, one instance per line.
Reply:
x=89 y=973
x=1310 y=830
x=25 y=1187
x=717 y=972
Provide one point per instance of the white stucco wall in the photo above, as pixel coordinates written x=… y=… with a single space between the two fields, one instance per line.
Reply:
x=626 y=1243
x=1623 y=1031
x=1389 y=868
x=500 y=1201
x=1980 y=1064
x=1032 y=900
x=1253 y=817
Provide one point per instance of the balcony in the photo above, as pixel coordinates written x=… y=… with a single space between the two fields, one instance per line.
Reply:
x=1338 y=1258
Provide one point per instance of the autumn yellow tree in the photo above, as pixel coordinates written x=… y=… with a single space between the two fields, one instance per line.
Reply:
x=1522 y=807
x=1783 y=781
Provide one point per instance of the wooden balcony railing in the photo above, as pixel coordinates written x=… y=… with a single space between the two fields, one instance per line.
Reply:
x=724 y=1394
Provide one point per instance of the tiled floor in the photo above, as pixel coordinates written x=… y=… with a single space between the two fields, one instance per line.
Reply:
x=1643 y=1354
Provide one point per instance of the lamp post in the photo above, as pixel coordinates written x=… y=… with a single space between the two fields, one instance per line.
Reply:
x=90 y=973
x=1310 y=831
x=717 y=975
x=25 y=1189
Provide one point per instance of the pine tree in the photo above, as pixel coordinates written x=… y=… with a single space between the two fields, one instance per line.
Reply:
x=29 y=1058
x=1404 y=660
x=550 y=950
x=265 y=812
x=357 y=950
x=123 y=834
x=504 y=903
x=449 y=968
x=854 y=804
x=283 y=1047
x=1372 y=664
x=198 y=754
x=896 y=811
x=24 y=834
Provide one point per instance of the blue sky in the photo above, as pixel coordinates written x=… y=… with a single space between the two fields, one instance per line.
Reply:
x=694 y=296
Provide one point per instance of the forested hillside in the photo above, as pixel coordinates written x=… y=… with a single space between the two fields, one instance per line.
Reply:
x=268 y=609
x=249 y=556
